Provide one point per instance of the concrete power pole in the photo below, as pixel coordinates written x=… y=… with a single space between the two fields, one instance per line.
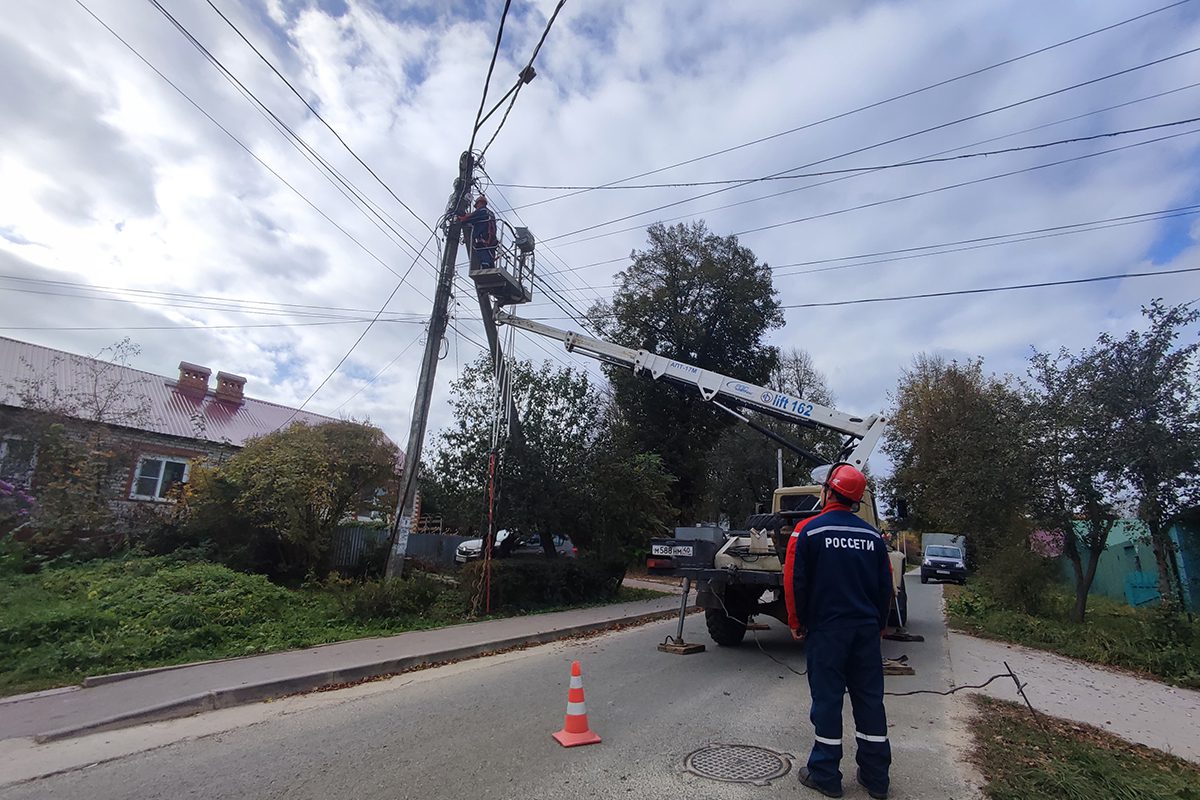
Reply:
x=402 y=524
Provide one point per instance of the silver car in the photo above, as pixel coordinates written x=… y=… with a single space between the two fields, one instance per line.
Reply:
x=526 y=546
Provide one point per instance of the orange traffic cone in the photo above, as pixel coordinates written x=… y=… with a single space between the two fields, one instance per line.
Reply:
x=575 y=728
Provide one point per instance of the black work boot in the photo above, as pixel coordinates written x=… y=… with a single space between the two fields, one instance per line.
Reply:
x=875 y=793
x=807 y=780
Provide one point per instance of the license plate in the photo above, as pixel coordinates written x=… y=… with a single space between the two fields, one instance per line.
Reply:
x=943 y=572
x=671 y=550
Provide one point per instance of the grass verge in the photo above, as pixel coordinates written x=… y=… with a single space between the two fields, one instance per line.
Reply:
x=1145 y=641
x=63 y=624
x=1062 y=760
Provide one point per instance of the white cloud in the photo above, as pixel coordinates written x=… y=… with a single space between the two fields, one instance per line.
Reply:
x=112 y=178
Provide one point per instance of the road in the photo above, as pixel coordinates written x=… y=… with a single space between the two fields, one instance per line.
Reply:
x=482 y=729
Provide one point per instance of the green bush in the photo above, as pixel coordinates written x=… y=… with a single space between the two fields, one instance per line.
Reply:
x=1019 y=579
x=413 y=596
x=1114 y=634
x=528 y=584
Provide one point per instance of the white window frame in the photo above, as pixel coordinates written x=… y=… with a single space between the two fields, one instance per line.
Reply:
x=137 y=475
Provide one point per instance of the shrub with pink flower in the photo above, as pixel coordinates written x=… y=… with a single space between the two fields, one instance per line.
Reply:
x=15 y=506
x=1047 y=544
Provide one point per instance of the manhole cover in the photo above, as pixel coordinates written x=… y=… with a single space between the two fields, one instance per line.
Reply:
x=738 y=763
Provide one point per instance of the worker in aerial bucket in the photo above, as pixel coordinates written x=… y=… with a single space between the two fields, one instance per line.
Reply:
x=483 y=233
x=837 y=583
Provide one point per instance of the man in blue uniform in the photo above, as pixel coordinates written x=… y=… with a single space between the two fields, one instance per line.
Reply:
x=483 y=233
x=838 y=591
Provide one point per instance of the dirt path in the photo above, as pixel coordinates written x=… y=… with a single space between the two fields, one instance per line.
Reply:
x=1142 y=711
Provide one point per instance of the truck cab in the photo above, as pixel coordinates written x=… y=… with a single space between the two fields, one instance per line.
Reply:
x=739 y=574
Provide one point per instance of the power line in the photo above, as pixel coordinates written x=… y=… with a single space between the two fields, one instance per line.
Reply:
x=524 y=77
x=978 y=143
x=873 y=168
x=986 y=290
x=176 y=305
x=377 y=375
x=961 y=184
x=544 y=282
x=1056 y=232
x=274 y=306
x=487 y=81
x=317 y=114
x=236 y=140
x=893 y=140
x=293 y=138
x=883 y=102
x=185 y=327
x=361 y=336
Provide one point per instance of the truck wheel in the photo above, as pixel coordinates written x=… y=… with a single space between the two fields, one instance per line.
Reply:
x=924 y=579
x=723 y=630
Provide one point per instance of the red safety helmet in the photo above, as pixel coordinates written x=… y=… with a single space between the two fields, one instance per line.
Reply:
x=847 y=481
x=480 y=201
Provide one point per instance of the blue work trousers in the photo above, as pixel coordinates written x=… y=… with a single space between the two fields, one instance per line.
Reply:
x=844 y=660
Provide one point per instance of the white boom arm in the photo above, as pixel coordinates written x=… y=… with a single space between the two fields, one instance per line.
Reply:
x=865 y=431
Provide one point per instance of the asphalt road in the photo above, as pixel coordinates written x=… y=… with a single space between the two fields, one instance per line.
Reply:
x=482 y=729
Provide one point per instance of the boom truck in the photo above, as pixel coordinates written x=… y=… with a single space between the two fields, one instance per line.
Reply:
x=739 y=574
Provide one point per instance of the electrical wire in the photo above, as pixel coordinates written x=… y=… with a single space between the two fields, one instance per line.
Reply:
x=330 y=172
x=977 y=143
x=872 y=168
x=177 y=305
x=184 y=327
x=878 y=103
x=989 y=289
x=893 y=140
x=976 y=243
x=961 y=184
x=1072 y=231
x=317 y=114
x=488 y=79
x=237 y=141
x=361 y=336
x=379 y=374
x=521 y=81
x=580 y=317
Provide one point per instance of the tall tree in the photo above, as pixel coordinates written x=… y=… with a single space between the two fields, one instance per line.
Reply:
x=560 y=412
x=1147 y=382
x=700 y=298
x=579 y=471
x=958 y=448
x=1071 y=440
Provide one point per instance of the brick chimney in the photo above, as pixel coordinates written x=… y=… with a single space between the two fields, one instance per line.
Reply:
x=230 y=387
x=193 y=378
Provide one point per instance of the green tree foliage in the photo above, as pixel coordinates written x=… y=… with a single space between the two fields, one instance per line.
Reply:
x=957 y=442
x=80 y=462
x=699 y=298
x=273 y=506
x=576 y=473
x=743 y=469
x=1146 y=383
x=1071 y=440
x=560 y=413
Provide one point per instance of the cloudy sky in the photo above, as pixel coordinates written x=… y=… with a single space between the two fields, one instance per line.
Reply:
x=233 y=250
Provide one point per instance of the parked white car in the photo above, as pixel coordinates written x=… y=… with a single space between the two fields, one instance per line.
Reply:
x=528 y=546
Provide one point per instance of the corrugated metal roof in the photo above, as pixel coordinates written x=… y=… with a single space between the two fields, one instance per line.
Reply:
x=167 y=410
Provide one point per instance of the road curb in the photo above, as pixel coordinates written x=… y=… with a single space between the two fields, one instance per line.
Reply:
x=296 y=684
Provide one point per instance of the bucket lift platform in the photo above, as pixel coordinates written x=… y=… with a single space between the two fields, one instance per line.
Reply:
x=509 y=277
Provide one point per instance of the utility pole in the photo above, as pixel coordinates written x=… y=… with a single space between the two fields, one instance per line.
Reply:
x=402 y=524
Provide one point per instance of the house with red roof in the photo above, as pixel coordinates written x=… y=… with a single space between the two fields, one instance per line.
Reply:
x=161 y=424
